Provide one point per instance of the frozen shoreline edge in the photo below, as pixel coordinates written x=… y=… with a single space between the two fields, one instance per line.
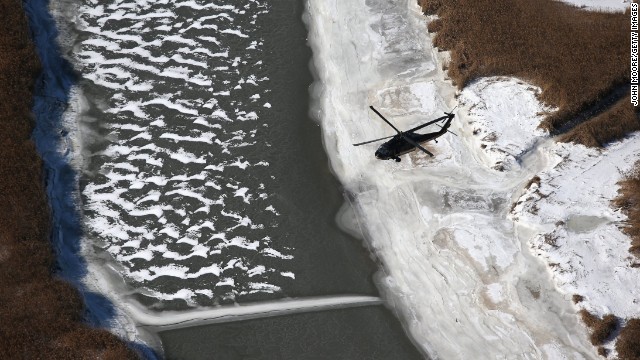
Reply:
x=99 y=276
x=349 y=217
x=106 y=286
x=54 y=135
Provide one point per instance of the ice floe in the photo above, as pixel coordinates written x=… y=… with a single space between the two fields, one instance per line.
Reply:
x=170 y=119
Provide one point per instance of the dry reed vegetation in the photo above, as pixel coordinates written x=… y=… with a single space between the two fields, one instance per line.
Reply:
x=628 y=344
x=628 y=201
x=576 y=57
x=41 y=316
x=613 y=124
x=602 y=330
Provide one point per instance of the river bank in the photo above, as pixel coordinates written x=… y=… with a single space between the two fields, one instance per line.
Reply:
x=454 y=265
x=42 y=313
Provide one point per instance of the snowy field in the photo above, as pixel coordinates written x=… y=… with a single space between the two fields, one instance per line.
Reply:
x=572 y=226
x=600 y=5
x=458 y=264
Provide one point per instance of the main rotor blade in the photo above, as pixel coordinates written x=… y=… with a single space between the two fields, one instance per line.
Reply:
x=428 y=123
x=410 y=141
x=452 y=110
x=385 y=120
x=448 y=130
x=370 y=141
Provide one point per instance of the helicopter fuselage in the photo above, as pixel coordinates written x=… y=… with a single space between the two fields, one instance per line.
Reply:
x=398 y=146
x=407 y=141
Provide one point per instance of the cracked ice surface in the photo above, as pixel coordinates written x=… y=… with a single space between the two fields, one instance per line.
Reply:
x=171 y=123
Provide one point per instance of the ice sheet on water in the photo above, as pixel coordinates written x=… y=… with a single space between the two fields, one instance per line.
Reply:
x=167 y=193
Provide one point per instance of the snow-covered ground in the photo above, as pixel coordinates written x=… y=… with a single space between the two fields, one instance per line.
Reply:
x=503 y=121
x=575 y=229
x=600 y=5
x=458 y=267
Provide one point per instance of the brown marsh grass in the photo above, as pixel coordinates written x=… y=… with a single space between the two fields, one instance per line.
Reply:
x=602 y=330
x=576 y=57
x=41 y=316
x=628 y=344
x=613 y=124
x=628 y=201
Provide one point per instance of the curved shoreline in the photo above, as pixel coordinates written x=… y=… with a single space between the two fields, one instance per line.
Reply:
x=602 y=119
x=57 y=174
x=506 y=277
x=41 y=308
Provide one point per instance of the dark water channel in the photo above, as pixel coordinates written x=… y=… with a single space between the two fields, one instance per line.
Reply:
x=327 y=260
x=204 y=177
x=195 y=222
x=370 y=333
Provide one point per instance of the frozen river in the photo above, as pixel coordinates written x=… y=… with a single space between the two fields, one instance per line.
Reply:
x=204 y=191
x=202 y=176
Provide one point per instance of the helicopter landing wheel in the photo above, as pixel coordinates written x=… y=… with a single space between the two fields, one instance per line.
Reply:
x=397 y=159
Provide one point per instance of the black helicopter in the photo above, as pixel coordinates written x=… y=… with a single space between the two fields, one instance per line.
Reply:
x=407 y=141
